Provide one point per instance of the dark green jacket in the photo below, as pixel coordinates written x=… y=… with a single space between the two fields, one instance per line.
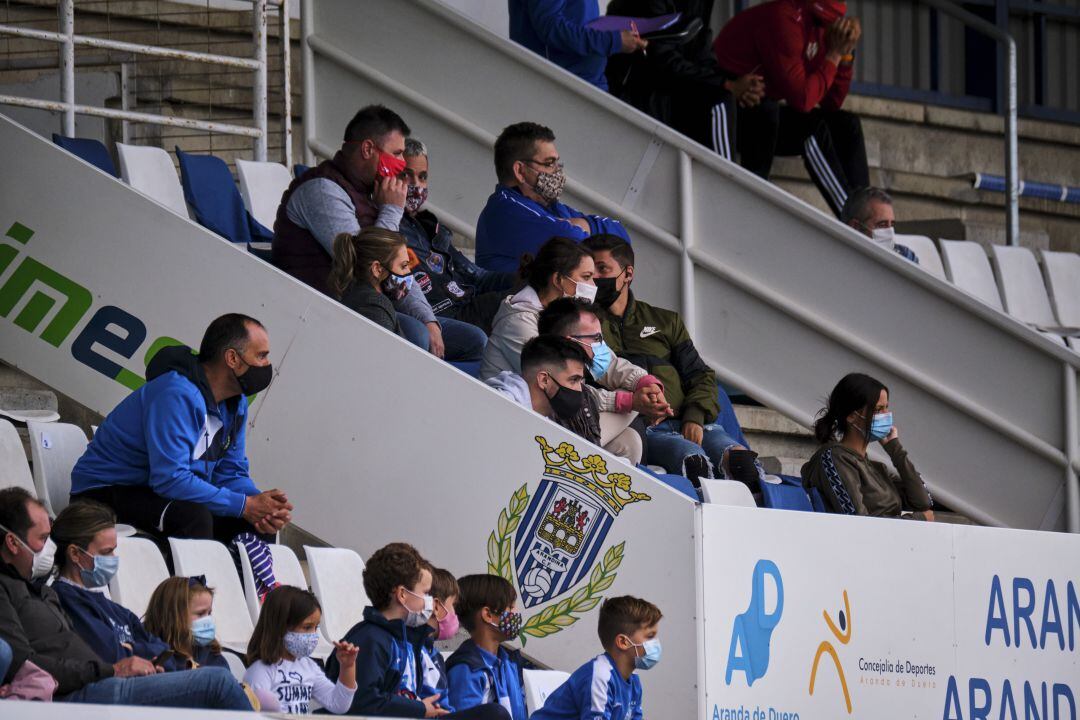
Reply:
x=667 y=352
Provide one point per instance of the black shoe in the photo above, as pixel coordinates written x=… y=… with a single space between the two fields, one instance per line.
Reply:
x=741 y=467
x=696 y=467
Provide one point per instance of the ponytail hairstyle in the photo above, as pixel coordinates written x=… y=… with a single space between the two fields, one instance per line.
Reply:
x=353 y=255
x=854 y=393
x=558 y=255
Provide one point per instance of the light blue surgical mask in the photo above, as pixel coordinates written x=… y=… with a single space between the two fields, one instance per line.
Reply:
x=105 y=567
x=601 y=359
x=652 y=652
x=204 y=631
x=881 y=426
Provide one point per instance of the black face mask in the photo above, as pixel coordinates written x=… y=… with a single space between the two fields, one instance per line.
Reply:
x=606 y=292
x=566 y=402
x=256 y=379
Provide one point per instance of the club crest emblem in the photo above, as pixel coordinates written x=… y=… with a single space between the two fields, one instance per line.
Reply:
x=554 y=540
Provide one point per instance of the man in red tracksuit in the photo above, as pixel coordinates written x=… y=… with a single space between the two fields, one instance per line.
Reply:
x=804 y=49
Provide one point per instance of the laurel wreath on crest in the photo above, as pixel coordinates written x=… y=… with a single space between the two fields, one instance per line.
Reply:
x=564 y=613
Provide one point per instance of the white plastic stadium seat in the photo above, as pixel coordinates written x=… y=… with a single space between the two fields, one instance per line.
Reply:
x=55 y=448
x=150 y=170
x=727 y=492
x=236 y=665
x=142 y=569
x=539 y=684
x=14 y=468
x=212 y=559
x=924 y=247
x=262 y=184
x=337 y=579
x=1062 y=273
x=1022 y=288
x=968 y=268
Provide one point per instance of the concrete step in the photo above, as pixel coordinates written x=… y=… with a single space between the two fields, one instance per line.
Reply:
x=785 y=444
x=783 y=466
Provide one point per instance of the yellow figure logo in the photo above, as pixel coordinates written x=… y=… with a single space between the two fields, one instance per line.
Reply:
x=827 y=647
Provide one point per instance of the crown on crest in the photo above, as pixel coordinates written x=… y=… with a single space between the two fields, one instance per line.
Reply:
x=564 y=462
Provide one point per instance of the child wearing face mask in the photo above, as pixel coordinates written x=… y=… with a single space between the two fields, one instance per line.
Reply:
x=607 y=687
x=482 y=672
x=280 y=655
x=180 y=612
x=444 y=623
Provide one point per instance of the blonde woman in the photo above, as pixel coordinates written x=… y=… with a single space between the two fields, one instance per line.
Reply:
x=370 y=272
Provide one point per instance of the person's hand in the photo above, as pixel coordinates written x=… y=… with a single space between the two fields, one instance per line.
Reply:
x=893 y=434
x=748 y=89
x=435 y=344
x=346 y=654
x=928 y=515
x=431 y=707
x=580 y=223
x=693 y=432
x=854 y=32
x=390 y=191
x=270 y=507
x=835 y=41
x=632 y=42
x=650 y=402
x=134 y=667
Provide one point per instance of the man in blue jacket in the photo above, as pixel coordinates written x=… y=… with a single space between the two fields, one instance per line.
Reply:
x=524 y=212
x=558 y=30
x=170 y=459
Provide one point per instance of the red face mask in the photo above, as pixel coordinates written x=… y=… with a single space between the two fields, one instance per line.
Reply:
x=390 y=165
x=828 y=11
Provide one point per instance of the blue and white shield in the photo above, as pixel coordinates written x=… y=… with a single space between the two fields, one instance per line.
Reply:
x=558 y=540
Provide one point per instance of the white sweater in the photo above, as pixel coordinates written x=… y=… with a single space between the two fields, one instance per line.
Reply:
x=295 y=682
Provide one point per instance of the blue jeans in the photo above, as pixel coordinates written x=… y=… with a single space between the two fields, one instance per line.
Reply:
x=5 y=659
x=464 y=342
x=210 y=688
x=666 y=446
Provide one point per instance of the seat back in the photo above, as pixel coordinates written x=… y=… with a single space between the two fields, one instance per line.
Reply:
x=337 y=579
x=539 y=684
x=236 y=665
x=1062 y=273
x=927 y=251
x=287 y=570
x=1021 y=285
x=968 y=268
x=14 y=468
x=142 y=569
x=55 y=448
x=210 y=191
x=727 y=492
x=262 y=185
x=783 y=496
x=212 y=559
x=727 y=419
x=150 y=171
x=88 y=149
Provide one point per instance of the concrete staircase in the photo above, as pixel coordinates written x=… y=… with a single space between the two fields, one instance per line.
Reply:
x=782 y=444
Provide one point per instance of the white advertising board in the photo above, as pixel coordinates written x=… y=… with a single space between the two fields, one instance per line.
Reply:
x=815 y=616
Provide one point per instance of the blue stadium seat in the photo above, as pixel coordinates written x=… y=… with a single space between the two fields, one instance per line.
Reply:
x=92 y=151
x=470 y=367
x=726 y=418
x=786 y=495
x=214 y=198
x=299 y=169
x=678 y=482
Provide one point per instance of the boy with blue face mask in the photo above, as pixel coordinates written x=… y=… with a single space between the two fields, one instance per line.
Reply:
x=607 y=687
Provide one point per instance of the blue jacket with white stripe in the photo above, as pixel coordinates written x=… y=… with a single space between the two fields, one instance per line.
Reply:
x=511 y=225
x=596 y=691
x=477 y=677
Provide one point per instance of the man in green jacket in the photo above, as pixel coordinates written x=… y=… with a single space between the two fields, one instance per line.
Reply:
x=691 y=443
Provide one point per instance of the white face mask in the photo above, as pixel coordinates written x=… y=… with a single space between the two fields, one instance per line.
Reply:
x=418 y=618
x=43 y=559
x=885 y=237
x=584 y=291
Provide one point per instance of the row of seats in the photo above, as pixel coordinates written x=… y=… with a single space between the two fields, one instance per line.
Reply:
x=1042 y=290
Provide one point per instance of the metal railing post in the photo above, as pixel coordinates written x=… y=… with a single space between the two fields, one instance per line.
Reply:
x=307 y=67
x=1012 y=159
x=1072 y=453
x=259 y=101
x=67 y=65
x=686 y=239
x=286 y=86
x=127 y=98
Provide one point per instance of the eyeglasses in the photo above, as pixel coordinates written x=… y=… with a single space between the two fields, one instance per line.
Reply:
x=596 y=338
x=555 y=164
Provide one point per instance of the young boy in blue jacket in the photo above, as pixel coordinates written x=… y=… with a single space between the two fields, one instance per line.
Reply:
x=606 y=686
x=482 y=672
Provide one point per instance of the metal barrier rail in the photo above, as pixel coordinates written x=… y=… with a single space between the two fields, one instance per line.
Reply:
x=68 y=40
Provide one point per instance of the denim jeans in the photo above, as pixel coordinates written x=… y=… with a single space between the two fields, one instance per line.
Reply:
x=5 y=659
x=666 y=446
x=209 y=688
x=464 y=342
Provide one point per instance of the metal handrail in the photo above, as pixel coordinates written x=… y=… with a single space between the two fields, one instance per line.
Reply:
x=68 y=40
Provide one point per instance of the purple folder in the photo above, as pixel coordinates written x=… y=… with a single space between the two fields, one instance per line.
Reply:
x=645 y=26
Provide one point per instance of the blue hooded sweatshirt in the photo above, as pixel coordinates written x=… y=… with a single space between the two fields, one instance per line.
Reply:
x=389 y=667
x=511 y=225
x=477 y=677
x=595 y=690
x=170 y=436
x=555 y=29
x=107 y=627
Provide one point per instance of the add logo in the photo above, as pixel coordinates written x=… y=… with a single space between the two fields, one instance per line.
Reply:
x=752 y=630
x=843 y=634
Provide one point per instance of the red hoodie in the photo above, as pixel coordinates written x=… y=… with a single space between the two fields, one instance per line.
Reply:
x=780 y=41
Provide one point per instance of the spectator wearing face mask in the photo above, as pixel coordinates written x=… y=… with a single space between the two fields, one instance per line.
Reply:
x=558 y=30
x=805 y=51
x=370 y=271
x=180 y=612
x=870 y=211
x=524 y=212
x=455 y=286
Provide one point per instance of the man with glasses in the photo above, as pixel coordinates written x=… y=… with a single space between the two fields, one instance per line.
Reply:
x=524 y=212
